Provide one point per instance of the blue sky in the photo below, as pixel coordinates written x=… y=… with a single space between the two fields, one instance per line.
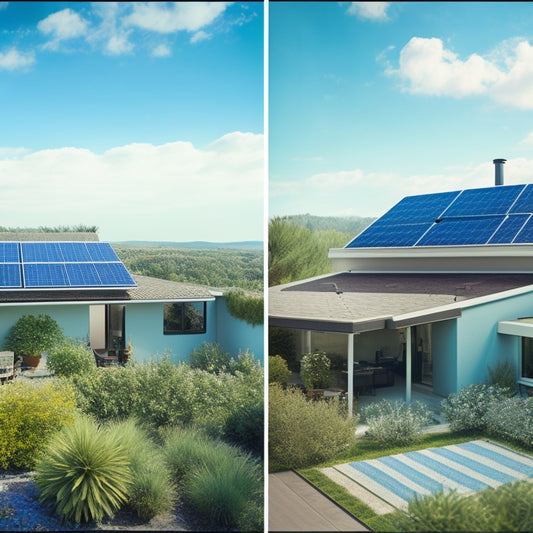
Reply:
x=370 y=102
x=144 y=119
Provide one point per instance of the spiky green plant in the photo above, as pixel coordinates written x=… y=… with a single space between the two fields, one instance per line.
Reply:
x=84 y=473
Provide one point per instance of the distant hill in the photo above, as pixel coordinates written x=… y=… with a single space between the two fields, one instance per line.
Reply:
x=352 y=225
x=198 y=245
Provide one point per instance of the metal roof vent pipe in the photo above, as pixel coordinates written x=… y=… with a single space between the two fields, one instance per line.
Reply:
x=498 y=167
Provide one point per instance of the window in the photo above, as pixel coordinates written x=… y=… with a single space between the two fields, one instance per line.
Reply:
x=183 y=318
x=527 y=358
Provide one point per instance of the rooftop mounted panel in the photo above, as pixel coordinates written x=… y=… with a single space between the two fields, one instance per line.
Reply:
x=41 y=252
x=74 y=252
x=507 y=232
x=45 y=275
x=9 y=252
x=101 y=251
x=82 y=275
x=10 y=276
x=389 y=236
x=114 y=274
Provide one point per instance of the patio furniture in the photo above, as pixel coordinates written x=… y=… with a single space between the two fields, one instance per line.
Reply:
x=363 y=382
x=104 y=358
x=7 y=366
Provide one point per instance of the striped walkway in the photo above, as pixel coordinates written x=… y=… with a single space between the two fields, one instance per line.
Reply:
x=392 y=481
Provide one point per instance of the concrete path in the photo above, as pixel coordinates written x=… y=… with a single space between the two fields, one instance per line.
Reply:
x=295 y=505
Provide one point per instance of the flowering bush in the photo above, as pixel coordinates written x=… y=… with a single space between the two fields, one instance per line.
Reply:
x=512 y=419
x=278 y=371
x=315 y=370
x=466 y=411
x=395 y=423
x=70 y=358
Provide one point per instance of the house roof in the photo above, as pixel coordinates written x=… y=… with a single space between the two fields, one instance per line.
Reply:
x=148 y=290
x=356 y=302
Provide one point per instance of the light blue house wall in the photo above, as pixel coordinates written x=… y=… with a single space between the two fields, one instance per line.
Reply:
x=73 y=319
x=237 y=335
x=465 y=347
x=144 y=322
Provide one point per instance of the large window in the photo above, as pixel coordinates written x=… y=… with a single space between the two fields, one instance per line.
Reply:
x=184 y=318
x=527 y=358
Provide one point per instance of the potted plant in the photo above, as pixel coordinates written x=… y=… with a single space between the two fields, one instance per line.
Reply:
x=31 y=336
x=315 y=370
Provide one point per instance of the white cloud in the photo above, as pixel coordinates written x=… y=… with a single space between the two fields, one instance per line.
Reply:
x=200 y=36
x=161 y=50
x=528 y=140
x=173 y=191
x=13 y=59
x=118 y=43
x=369 y=10
x=428 y=68
x=176 y=16
x=62 y=25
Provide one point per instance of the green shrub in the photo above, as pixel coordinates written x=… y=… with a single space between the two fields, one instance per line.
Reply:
x=512 y=420
x=505 y=508
x=395 y=423
x=32 y=335
x=315 y=370
x=210 y=357
x=246 y=427
x=29 y=416
x=245 y=306
x=303 y=433
x=222 y=494
x=84 y=473
x=69 y=359
x=245 y=363
x=503 y=376
x=466 y=410
x=152 y=491
x=278 y=371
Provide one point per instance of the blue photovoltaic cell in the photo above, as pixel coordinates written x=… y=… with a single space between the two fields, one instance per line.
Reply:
x=41 y=252
x=461 y=231
x=508 y=230
x=389 y=236
x=524 y=203
x=488 y=201
x=114 y=274
x=82 y=274
x=418 y=209
x=101 y=251
x=525 y=235
x=74 y=251
x=45 y=275
x=9 y=252
x=10 y=275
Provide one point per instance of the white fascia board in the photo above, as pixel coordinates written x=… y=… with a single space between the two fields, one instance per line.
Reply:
x=464 y=304
x=516 y=328
x=106 y=302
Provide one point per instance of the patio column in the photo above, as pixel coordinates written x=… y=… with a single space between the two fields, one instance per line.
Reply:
x=408 y=364
x=307 y=341
x=350 y=374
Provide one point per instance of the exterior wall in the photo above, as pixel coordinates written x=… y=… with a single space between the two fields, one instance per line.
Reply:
x=144 y=322
x=73 y=319
x=444 y=350
x=479 y=344
x=236 y=335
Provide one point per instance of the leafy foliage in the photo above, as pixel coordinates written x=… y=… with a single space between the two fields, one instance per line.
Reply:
x=395 y=423
x=512 y=420
x=503 y=376
x=296 y=252
x=32 y=335
x=315 y=370
x=466 y=410
x=278 y=371
x=211 y=357
x=245 y=306
x=70 y=358
x=29 y=416
x=303 y=433
x=78 y=228
x=505 y=508
x=84 y=474
x=216 y=268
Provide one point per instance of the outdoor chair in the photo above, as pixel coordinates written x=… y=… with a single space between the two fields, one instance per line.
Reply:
x=7 y=366
x=363 y=382
x=103 y=358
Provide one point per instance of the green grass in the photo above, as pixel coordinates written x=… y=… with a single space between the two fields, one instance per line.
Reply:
x=366 y=449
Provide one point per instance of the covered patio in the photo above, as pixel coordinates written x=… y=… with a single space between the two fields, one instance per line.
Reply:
x=402 y=322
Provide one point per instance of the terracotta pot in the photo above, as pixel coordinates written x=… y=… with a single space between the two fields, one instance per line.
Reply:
x=31 y=361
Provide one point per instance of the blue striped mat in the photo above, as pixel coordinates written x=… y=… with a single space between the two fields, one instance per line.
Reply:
x=467 y=467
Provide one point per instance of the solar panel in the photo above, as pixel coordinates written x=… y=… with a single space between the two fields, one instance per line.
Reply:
x=9 y=252
x=491 y=215
x=61 y=265
x=10 y=275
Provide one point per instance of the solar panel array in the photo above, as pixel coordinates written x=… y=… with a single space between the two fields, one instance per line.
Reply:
x=500 y=215
x=61 y=265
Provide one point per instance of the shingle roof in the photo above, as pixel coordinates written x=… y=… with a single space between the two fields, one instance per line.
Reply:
x=354 y=302
x=148 y=289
